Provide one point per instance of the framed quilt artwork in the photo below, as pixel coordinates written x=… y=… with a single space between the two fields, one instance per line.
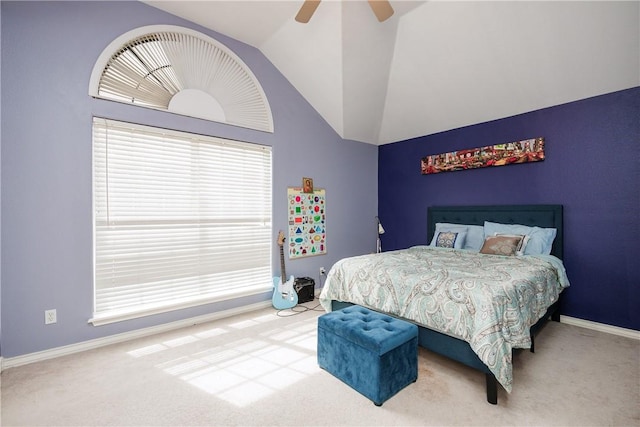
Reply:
x=307 y=222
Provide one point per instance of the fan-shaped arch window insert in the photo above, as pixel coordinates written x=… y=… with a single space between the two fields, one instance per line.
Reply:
x=182 y=71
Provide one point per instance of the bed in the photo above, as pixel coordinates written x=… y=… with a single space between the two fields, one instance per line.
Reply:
x=475 y=308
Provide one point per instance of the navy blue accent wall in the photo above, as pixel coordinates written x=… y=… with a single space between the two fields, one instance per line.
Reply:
x=592 y=167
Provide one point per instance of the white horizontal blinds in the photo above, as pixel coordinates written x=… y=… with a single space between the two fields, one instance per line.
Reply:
x=179 y=218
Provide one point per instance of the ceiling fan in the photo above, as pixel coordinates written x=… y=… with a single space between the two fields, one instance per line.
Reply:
x=381 y=8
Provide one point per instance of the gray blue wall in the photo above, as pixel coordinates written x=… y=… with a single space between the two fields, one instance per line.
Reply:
x=48 y=52
x=592 y=167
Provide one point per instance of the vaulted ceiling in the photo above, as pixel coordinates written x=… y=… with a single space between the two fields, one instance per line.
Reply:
x=434 y=65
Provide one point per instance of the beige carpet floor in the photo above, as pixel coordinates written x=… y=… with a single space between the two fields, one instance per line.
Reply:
x=259 y=369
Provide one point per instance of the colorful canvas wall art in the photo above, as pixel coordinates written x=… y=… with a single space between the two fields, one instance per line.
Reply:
x=529 y=150
x=307 y=222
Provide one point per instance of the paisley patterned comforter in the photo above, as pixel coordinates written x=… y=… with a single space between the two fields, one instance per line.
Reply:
x=489 y=301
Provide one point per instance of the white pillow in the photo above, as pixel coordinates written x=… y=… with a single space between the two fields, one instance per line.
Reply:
x=475 y=234
x=540 y=239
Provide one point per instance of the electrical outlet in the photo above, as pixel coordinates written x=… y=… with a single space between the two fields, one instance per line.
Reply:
x=322 y=271
x=50 y=316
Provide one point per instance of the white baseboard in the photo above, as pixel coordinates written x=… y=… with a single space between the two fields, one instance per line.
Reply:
x=11 y=362
x=614 y=330
x=126 y=336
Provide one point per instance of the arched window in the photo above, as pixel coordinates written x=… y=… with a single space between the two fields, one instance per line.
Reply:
x=179 y=219
x=182 y=71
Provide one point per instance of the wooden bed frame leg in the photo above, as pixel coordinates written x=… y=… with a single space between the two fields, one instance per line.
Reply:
x=492 y=389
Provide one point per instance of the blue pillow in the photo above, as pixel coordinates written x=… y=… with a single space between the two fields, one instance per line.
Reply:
x=540 y=239
x=475 y=234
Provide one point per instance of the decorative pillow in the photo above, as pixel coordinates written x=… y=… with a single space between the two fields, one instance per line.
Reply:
x=523 y=243
x=501 y=245
x=450 y=239
x=473 y=240
x=446 y=227
x=540 y=239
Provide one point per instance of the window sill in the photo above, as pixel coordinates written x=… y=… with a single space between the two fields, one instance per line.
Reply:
x=122 y=315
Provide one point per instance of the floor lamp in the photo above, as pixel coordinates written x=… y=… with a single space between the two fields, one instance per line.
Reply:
x=380 y=231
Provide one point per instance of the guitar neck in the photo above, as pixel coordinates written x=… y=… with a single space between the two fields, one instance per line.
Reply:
x=283 y=271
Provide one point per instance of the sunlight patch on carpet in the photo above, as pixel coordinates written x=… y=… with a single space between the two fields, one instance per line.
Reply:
x=145 y=351
x=211 y=333
x=247 y=369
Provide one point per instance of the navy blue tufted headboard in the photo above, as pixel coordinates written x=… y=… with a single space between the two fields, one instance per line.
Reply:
x=546 y=216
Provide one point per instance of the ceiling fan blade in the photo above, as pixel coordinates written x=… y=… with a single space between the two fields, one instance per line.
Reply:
x=382 y=9
x=306 y=11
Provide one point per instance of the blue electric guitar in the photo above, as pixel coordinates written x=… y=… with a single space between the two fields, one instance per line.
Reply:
x=284 y=295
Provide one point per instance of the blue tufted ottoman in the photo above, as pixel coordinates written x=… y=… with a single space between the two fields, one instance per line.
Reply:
x=375 y=354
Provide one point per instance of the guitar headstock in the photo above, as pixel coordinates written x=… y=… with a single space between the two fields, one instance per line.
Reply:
x=280 y=238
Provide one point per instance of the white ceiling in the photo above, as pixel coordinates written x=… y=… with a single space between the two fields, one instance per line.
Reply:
x=434 y=65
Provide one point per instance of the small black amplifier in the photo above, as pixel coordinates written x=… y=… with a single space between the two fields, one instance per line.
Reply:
x=305 y=288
